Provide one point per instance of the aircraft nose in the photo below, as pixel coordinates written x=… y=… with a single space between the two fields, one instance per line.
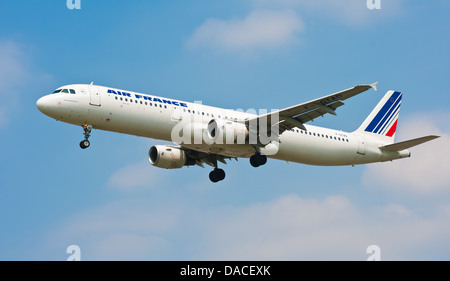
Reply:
x=46 y=105
x=41 y=104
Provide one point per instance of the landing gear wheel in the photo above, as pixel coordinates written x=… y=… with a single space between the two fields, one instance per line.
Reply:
x=85 y=144
x=217 y=175
x=87 y=133
x=258 y=160
x=254 y=161
x=262 y=159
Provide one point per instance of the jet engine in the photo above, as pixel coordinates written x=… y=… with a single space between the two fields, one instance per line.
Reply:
x=168 y=157
x=227 y=132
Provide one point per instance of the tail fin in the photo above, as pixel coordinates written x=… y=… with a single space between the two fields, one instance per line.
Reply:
x=382 y=121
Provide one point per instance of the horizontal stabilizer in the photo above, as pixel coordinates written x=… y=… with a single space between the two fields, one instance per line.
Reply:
x=407 y=144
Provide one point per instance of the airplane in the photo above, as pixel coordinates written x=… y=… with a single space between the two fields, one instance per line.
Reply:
x=207 y=135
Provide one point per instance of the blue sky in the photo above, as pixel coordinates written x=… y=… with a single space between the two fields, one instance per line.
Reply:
x=256 y=54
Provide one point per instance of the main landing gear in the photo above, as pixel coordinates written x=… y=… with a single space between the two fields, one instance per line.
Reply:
x=217 y=174
x=258 y=160
x=87 y=133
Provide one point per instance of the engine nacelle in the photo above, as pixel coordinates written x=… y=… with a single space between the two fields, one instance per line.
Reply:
x=227 y=132
x=167 y=157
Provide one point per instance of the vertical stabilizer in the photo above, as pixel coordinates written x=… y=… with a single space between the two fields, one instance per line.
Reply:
x=381 y=124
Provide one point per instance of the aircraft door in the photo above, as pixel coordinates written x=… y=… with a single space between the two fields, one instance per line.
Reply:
x=176 y=114
x=95 y=96
x=361 y=145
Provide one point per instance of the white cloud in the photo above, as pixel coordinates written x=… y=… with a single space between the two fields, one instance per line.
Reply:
x=134 y=176
x=261 y=29
x=276 y=23
x=126 y=246
x=287 y=228
x=293 y=228
x=121 y=230
x=351 y=12
x=427 y=171
x=13 y=70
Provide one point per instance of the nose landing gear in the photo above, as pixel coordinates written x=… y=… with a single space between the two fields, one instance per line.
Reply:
x=87 y=133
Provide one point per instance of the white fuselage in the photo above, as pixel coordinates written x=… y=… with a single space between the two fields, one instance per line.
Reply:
x=150 y=116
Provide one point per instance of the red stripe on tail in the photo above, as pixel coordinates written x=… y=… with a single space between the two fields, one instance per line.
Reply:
x=392 y=130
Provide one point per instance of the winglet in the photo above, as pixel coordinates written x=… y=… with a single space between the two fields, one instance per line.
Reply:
x=374 y=86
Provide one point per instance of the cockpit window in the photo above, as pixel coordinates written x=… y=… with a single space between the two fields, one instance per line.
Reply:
x=72 y=91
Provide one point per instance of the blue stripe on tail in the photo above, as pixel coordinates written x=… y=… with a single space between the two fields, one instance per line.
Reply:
x=384 y=112
x=387 y=118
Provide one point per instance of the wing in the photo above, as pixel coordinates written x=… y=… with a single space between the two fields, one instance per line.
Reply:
x=203 y=155
x=297 y=115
